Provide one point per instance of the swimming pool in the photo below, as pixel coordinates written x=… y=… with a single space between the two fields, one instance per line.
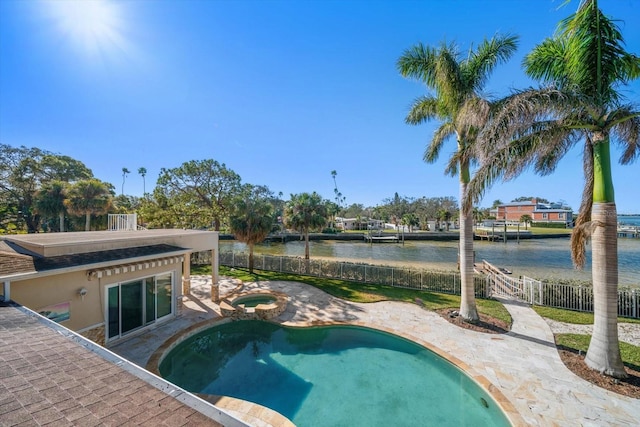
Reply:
x=330 y=376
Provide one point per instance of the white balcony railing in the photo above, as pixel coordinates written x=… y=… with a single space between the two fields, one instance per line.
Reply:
x=122 y=222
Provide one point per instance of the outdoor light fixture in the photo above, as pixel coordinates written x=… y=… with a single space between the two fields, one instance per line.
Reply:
x=82 y=292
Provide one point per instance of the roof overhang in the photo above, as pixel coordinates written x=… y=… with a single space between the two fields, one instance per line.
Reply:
x=102 y=269
x=58 y=244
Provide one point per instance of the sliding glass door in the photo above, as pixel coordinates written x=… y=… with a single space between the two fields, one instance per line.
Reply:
x=134 y=304
x=130 y=306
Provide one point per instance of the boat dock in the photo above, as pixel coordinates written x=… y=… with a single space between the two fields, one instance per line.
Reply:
x=381 y=239
x=629 y=231
x=488 y=268
x=500 y=234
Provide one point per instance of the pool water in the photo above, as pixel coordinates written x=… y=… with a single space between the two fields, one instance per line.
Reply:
x=254 y=300
x=330 y=376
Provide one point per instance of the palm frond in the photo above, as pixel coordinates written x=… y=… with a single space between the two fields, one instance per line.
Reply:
x=547 y=62
x=597 y=62
x=473 y=115
x=422 y=110
x=583 y=226
x=444 y=132
x=505 y=161
x=626 y=131
x=555 y=140
x=467 y=155
x=417 y=63
x=448 y=80
x=517 y=112
x=484 y=59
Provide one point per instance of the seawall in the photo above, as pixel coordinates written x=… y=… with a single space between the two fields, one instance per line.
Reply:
x=430 y=235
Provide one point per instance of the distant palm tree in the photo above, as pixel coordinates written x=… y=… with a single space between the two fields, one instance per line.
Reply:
x=457 y=83
x=125 y=172
x=89 y=197
x=49 y=200
x=478 y=215
x=526 y=219
x=143 y=172
x=251 y=220
x=586 y=63
x=305 y=212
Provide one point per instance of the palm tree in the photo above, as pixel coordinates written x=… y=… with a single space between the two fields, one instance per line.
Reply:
x=456 y=101
x=251 y=220
x=50 y=199
x=125 y=172
x=478 y=215
x=305 y=212
x=143 y=172
x=526 y=219
x=586 y=63
x=340 y=199
x=88 y=197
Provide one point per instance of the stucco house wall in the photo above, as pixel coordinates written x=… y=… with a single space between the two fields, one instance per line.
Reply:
x=88 y=310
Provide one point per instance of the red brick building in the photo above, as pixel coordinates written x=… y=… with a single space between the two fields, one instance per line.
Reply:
x=539 y=212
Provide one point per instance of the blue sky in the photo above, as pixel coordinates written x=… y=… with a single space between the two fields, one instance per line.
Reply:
x=282 y=92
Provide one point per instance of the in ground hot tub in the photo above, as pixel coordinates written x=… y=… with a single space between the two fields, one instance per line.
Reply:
x=260 y=305
x=254 y=299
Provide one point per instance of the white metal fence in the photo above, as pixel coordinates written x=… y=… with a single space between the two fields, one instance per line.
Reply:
x=442 y=282
x=572 y=297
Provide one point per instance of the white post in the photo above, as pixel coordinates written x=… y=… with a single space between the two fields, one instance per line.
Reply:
x=215 y=290
x=186 y=274
x=6 y=289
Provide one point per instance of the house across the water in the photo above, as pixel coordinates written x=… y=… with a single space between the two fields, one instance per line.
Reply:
x=538 y=212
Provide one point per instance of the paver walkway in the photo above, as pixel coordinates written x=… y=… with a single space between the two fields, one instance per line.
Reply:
x=523 y=365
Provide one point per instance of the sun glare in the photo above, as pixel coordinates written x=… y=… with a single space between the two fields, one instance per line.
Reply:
x=92 y=25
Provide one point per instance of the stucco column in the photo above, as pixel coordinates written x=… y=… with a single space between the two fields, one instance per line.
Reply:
x=186 y=275
x=215 y=289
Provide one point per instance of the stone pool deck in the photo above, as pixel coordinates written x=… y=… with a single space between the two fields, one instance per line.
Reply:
x=520 y=369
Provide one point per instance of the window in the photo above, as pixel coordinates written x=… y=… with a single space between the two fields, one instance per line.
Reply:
x=545 y=215
x=134 y=304
x=561 y=215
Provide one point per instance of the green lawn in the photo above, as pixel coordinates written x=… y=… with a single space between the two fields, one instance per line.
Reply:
x=575 y=317
x=365 y=292
x=630 y=353
x=544 y=230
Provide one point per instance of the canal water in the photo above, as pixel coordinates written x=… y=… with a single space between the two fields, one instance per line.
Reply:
x=632 y=220
x=546 y=259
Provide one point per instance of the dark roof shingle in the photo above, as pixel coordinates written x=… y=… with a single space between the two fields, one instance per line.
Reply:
x=47 y=377
x=12 y=262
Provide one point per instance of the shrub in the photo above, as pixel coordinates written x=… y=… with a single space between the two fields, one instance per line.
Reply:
x=549 y=224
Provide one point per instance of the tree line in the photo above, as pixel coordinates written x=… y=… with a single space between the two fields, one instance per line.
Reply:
x=42 y=191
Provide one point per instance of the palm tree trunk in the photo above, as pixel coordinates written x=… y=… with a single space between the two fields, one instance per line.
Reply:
x=468 y=309
x=604 y=350
x=87 y=222
x=306 y=251
x=61 y=217
x=306 y=244
x=250 y=258
x=603 y=354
